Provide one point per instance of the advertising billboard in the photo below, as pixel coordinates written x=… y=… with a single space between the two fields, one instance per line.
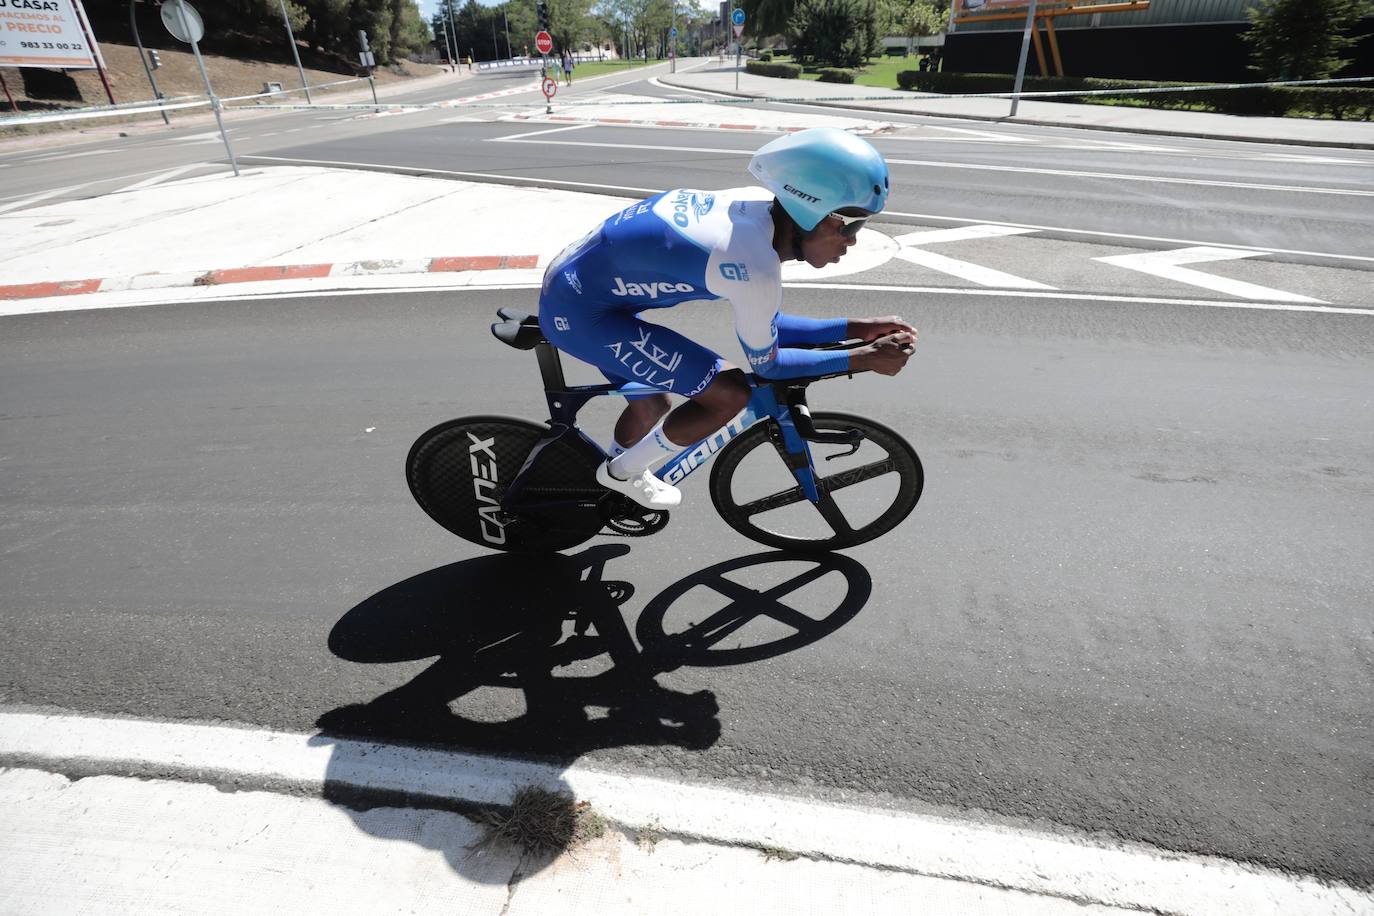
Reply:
x=44 y=33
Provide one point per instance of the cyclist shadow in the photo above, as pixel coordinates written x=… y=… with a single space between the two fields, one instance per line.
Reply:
x=534 y=659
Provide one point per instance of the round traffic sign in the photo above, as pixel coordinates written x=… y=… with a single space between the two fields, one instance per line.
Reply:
x=182 y=20
x=549 y=87
x=672 y=33
x=737 y=17
x=543 y=42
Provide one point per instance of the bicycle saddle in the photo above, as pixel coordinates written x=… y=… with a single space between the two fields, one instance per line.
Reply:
x=518 y=329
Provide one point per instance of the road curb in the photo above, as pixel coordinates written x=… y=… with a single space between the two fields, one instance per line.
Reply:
x=267 y=273
x=355 y=772
x=1037 y=122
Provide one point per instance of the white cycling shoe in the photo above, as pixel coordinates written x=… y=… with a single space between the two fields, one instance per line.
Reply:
x=644 y=488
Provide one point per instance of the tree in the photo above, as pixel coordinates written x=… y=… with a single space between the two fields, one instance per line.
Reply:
x=840 y=33
x=1302 y=39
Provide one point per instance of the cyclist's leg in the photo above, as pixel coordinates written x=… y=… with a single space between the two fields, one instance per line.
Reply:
x=624 y=346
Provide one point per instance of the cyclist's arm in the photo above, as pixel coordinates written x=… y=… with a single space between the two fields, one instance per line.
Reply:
x=759 y=325
x=798 y=330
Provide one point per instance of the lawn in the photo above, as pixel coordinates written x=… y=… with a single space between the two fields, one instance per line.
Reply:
x=600 y=67
x=880 y=71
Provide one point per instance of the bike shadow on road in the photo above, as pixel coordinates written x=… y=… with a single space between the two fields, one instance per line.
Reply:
x=534 y=659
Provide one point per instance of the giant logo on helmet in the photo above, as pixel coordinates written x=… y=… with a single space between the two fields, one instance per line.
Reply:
x=802 y=194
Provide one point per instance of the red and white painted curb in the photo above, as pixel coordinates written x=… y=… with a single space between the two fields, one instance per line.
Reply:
x=269 y=273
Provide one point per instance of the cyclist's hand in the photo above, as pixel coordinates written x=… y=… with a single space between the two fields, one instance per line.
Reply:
x=870 y=329
x=886 y=355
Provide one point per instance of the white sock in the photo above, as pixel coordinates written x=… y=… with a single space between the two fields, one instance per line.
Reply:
x=616 y=448
x=644 y=454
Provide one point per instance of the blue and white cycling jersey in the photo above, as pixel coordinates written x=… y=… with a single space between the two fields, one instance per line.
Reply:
x=682 y=245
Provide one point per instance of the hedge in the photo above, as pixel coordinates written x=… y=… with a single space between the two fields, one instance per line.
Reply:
x=1339 y=102
x=836 y=75
x=782 y=71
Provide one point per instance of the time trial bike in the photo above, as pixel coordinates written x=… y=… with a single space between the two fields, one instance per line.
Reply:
x=782 y=476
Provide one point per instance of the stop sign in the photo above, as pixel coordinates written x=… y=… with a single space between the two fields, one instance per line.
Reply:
x=543 y=42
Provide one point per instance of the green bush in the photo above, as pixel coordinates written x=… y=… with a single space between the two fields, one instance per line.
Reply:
x=1340 y=102
x=836 y=75
x=838 y=33
x=781 y=71
x=766 y=57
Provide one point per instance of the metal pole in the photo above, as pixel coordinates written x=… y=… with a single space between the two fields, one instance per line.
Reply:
x=448 y=48
x=506 y=19
x=453 y=26
x=210 y=90
x=90 y=43
x=295 y=52
x=495 y=48
x=672 y=37
x=143 y=56
x=1021 y=65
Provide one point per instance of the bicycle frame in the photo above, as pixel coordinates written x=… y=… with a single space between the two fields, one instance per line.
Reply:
x=565 y=401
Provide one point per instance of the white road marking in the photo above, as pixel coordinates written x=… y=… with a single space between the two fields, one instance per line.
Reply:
x=965 y=270
x=540 y=133
x=982 y=135
x=162 y=176
x=34 y=198
x=921 y=216
x=334 y=287
x=1122 y=176
x=1168 y=264
x=650 y=146
x=56 y=157
x=1095 y=233
x=1295 y=157
x=960 y=234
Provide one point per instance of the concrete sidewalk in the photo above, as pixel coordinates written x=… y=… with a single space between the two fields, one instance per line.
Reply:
x=127 y=816
x=204 y=237
x=721 y=78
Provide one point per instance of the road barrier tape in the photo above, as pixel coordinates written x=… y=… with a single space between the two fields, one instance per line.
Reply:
x=172 y=104
x=107 y=111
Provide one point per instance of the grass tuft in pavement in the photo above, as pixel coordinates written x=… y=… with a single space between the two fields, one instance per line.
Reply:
x=541 y=822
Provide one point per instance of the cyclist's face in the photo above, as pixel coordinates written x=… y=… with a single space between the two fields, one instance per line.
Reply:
x=827 y=244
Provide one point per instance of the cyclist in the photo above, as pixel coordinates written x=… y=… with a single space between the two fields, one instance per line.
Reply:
x=819 y=187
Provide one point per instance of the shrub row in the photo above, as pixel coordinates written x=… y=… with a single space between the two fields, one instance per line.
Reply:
x=782 y=71
x=837 y=75
x=1339 y=102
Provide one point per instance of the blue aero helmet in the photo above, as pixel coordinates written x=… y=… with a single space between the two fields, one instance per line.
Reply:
x=818 y=171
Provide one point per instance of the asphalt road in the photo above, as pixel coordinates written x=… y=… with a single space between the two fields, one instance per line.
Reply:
x=1133 y=598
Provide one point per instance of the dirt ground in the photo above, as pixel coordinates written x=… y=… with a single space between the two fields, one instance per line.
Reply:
x=179 y=75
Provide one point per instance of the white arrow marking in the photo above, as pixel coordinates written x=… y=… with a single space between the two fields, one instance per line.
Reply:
x=959 y=234
x=974 y=273
x=1168 y=264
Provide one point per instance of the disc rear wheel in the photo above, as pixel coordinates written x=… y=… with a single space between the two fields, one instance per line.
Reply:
x=459 y=471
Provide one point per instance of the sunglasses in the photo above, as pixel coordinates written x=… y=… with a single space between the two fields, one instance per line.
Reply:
x=849 y=225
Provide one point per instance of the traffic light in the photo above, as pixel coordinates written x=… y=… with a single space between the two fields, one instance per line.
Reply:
x=541 y=14
x=154 y=62
x=362 y=41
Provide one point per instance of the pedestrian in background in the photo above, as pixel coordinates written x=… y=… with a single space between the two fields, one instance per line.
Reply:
x=567 y=66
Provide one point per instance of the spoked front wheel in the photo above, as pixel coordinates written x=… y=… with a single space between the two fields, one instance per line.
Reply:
x=864 y=495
